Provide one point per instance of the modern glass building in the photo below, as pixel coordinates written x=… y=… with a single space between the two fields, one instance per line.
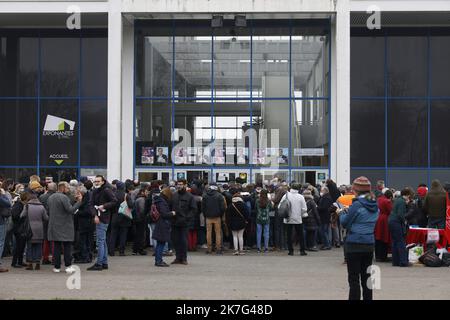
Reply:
x=225 y=90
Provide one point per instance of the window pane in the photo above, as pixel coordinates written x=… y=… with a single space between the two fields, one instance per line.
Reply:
x=407 y=133
x=270 y=61
x=309 y=65
x=310 y=133
x=93 y=126
x=18 y=136
x=60 y=66
x=442 y=175
x=372 y=175
x=153 y=132
x=58 y=175
x=59 y=125
x=154 y=66
x=400 y=179
x=407 y=66
x=94 y=69
x=231 y=61
x=193 y=119
x=367 y=133
x=18 y=66
x=440 y=146
x=367 y=66
x=440 y=65
x=193 y=60
x=21 y=175
x=93 y=172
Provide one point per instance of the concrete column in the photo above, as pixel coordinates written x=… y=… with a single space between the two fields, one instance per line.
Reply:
x=340 y=112
x=114 y=89
x=127 y=155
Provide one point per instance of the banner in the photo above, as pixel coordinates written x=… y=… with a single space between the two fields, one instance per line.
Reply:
x=59 y=142
x=447 y=224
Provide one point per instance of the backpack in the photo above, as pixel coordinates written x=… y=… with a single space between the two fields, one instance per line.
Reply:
x=284 y=208
x=154 y=213
x=430 y=258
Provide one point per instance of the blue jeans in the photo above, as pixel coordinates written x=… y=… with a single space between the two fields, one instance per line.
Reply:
x=102 y=247
x=159 y=249
x=259 y=229
x=399 y=252
x=2 y=239
x=151 y=228
x=325 y=234
x=34 y=252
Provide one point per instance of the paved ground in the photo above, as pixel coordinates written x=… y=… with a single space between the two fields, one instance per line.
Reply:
x=318 y=276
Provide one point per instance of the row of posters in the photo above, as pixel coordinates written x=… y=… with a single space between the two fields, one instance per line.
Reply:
x=160 y=155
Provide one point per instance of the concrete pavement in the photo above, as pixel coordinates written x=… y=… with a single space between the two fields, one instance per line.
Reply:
x=318 y=276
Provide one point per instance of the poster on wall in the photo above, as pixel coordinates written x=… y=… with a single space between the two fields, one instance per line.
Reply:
x=181 y=155
x=181 y=176
x=161 y=156
x=259 y=156
x=203 y=156
x=219 y=155
x=309 y=152
x=148 y=155
x=59 y=136
x=242 y=155
x=281 y=154
x=321 y=176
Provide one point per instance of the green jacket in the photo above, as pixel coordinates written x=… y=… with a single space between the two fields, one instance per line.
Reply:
x=262 y=214
x=399 y=210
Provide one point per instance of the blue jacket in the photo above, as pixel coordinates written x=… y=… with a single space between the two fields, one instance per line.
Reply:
x=360 y=221
x=5 y=211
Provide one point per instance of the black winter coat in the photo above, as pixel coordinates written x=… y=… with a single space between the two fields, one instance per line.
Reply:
x=118 y=220
x=213 y=204
x=185 y=207
x=163 y=225
x=103 y=196
x=16 y=210
x=324 y=205
x=235 y=220
x=312 y=222
x=84 y=216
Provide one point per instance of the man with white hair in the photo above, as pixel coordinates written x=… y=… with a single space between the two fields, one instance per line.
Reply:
x=73 y=183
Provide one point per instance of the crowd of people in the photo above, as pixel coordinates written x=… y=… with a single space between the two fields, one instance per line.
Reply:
x=81 y=219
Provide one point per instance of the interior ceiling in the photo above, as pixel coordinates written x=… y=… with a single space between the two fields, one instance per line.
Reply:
x=232 y=59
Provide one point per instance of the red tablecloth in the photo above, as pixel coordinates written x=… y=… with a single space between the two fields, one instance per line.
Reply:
x=420 y=236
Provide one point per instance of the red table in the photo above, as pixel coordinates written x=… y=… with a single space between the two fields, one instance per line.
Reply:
x=420 y=236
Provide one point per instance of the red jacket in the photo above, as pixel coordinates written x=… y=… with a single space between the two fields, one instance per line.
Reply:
x=382 y=226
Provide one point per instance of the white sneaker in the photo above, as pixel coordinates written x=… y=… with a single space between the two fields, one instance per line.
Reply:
x=236 y=253
x=56 y=270
x=70 y=269
x=205 y=246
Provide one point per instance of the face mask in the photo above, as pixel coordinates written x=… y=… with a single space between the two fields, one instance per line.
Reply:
x=322 y=194
x=97 y=186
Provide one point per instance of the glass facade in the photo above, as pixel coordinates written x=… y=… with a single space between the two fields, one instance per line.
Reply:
x=400 y=105
x=53 y=94
x=231 y=98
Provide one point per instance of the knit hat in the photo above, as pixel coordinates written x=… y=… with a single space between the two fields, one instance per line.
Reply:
x=361 y=184
x=422 y=191
x=35 y=185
